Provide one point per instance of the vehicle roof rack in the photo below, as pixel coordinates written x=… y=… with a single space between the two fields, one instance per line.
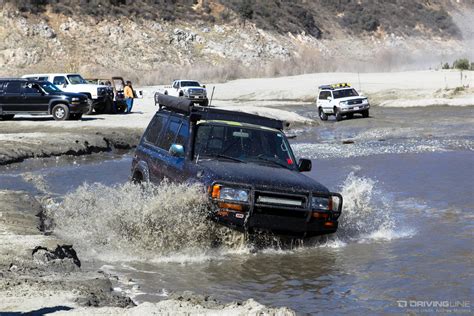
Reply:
x=335 y=86
x=187 y=108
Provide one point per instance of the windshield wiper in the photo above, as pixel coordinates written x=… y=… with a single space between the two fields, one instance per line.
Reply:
x=272 y=161
x=228 y=157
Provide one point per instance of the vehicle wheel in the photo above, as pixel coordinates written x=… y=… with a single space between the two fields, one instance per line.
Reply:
x=137 y=178
x=100 y=108
x=75 y=116
x=350 y=115
x=365 y=113
x=60 y=112
x=338 y=115
x=91 y=107
x=7 y=117
x=323 y=116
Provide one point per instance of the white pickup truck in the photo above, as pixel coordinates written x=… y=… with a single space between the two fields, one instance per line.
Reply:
x=100 y=96
x=189 y=89
x=340 y=100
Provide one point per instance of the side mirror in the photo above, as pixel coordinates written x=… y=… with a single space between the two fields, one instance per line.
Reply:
x=177 y=150
x=64 y=85
x=203 y=85
x=304 y=165
x=329 y=99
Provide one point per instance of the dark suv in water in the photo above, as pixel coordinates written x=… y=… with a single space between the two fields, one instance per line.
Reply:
x=25 y=96
x=244 y=161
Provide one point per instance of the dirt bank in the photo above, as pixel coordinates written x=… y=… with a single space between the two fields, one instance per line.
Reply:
x=20 y=142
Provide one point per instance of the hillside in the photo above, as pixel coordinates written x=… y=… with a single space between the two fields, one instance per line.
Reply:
x=156 y=40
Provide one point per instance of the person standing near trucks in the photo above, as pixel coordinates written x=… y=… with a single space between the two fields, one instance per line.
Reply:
x=128 y=95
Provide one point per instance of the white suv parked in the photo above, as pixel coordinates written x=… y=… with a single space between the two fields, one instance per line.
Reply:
x=340 y=100
x=100 y=96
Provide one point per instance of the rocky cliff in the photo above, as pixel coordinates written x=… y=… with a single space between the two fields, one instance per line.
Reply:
x=154 y=41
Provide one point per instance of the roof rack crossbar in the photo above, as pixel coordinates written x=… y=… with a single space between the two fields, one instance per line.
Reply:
x=186 y=107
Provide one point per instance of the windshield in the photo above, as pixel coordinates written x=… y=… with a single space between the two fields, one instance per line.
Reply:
x=190 y=84
x=49 y=87
x=243 y=144
x=76 y=79
x=344 y=93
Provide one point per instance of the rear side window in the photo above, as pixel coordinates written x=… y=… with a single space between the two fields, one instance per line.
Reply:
x=59 y=80
x=1 y=86
x=170 y=134
x=324 y=95
x=13 y=87
x=154 y=130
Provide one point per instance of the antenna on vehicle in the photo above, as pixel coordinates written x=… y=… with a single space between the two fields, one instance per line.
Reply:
x=212 y=95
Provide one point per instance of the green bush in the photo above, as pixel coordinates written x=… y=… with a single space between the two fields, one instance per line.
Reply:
x=461 y=64
x=445 y=66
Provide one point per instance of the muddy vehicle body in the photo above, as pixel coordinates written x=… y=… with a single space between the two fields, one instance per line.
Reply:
x=245 y=163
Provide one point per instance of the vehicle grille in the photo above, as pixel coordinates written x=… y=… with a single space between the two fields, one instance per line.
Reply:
x=350 y=102
x=281 y=204
x=196 y=92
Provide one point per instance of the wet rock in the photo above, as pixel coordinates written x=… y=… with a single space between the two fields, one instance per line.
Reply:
x=61 y=252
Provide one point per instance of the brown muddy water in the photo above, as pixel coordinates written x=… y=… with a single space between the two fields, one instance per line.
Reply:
x=405 y=242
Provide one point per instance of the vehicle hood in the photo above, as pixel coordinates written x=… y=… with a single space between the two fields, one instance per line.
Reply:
x=259 y=176
x=351 y=98
x=69 y=94
x=87 y=86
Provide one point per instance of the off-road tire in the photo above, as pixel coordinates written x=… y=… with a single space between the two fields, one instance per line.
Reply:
x=7 y=117
x=60 y=112
x=105 y=108
x=205 y=103
x=365 y=113
x=338 y=115
x=323 y=116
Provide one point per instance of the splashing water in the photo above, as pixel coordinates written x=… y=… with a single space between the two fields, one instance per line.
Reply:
x=135 y=220
x=170 y=220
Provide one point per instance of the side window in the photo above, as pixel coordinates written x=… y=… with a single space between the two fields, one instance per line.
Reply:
x=183 y=134
x=175 y=85
x=59 y=80
x=170 y=134
x=43 y=78
x=154 y=130
x=13 y=87
x=324 y=95
x=1 y=86
x=29 y=88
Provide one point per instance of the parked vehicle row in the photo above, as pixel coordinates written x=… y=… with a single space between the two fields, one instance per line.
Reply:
x=26 y=96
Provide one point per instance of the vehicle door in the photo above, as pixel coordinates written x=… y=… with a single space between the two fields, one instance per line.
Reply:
x=149 y=150
x=12 y=99
x=175 y=133
x=61 y=82
x=34 y=99
x=324 y=100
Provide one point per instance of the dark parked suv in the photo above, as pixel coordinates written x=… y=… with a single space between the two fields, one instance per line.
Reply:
x=24 y=96
x=245 y=163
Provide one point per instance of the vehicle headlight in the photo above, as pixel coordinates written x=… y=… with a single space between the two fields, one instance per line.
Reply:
x=231 y=194
x=75 y=99
x=343 y=103
x=365 y=101
x=321 y=203
x=186 y=92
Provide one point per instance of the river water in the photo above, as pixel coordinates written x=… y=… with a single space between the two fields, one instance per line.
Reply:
x=405 y=241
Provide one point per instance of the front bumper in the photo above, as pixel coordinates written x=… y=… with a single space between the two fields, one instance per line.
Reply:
x=277 y=219
x=79 y=107
x=356 y=108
